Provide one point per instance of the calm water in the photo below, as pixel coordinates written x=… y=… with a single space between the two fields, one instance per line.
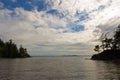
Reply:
x=58 y=68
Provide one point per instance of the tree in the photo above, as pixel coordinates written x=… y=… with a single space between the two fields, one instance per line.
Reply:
x=110 y=46
x=23 y=52
x=1 y=47
x=1 y=43
x=116 y=44
x=10 y=50
x=97 y=48
x=109 y=43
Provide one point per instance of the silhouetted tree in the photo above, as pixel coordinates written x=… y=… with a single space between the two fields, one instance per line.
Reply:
x=1 y=43
x=116 y=44
x=110 y=46
x=97 y=48
x=23 y=51
x=1 y=47
x=110 y=43
x=10 y=50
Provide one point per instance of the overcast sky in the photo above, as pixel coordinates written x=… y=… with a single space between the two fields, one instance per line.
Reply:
x=57 y=27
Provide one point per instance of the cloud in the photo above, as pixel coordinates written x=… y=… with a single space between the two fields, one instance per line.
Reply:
x=64 y=26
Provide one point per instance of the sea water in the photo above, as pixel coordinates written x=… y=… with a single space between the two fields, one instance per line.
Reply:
x=58 y=68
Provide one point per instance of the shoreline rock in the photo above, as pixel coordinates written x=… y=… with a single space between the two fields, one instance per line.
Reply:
x=107 y=55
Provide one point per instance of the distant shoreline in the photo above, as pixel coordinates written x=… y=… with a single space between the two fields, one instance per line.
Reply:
x=60 y=55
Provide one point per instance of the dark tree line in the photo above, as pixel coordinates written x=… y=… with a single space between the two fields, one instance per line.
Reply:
x=109 y=48
x=110 y=43
x=10 y=50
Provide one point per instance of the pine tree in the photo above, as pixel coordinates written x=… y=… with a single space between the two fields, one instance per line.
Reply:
x=1 y=48
x=10 y=50
x=23 y=52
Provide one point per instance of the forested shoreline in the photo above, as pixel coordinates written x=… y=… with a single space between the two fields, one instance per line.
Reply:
x=10 y=50
x=109 y=48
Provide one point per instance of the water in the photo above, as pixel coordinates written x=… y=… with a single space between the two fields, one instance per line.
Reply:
x=58 y=68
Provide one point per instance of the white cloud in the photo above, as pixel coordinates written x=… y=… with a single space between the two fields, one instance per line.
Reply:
x=43 y=32
x=71 y=6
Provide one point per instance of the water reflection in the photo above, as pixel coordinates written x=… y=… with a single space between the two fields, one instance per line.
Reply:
x=108 y=70
x=6 y=68
x=58 y=68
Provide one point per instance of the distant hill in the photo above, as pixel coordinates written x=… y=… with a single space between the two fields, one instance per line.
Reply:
x=10 y=50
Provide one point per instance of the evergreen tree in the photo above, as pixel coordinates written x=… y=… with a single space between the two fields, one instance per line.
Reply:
x=23 y=52
x=1 y=47
x=10 y=50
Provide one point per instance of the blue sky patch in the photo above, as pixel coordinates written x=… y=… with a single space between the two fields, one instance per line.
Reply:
x=25 y=4
x=77 y=28
x=82 y=16
x=53 y=11
x=56 y=13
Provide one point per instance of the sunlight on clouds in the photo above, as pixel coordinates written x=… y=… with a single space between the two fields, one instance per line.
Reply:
x=71 y=6
x=41 y=31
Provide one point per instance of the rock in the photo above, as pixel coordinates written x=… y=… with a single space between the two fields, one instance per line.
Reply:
x=107 y=55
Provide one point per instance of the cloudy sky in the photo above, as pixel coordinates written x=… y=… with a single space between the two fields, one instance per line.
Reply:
x=55 y=27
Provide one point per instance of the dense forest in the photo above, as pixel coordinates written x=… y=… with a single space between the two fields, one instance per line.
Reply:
x=109 y=48
x=10 y=50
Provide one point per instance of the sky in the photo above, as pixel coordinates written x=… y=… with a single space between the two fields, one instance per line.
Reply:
x=57 y=27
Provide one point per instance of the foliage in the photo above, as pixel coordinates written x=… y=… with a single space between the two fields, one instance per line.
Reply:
x=110 y=47
x=109 y=43
x=10 y=50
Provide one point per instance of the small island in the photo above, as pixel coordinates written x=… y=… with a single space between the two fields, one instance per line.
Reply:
x=10 y=50
x=109 y=48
